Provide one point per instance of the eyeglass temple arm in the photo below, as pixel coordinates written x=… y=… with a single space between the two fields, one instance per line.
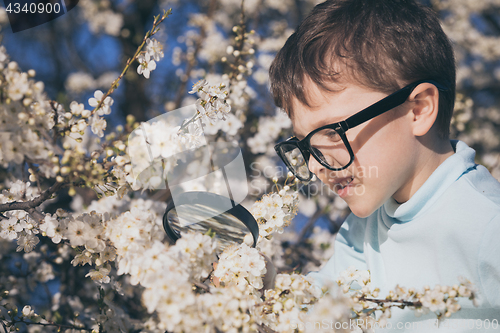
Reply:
x=384 y=105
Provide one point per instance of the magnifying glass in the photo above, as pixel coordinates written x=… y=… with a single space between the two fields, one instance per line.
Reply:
x=208 y=212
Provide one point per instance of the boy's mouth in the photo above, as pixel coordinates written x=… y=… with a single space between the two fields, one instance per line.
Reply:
x=342 y=182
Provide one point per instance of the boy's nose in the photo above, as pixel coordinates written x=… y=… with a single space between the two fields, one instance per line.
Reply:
x=315 y=167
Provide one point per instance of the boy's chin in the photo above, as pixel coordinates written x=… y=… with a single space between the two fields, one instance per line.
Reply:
x=361 y=209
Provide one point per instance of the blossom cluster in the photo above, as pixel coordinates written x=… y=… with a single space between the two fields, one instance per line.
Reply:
x=133 y=243
x=18 y=225
x=230 y=126
x=336 y=307
x=151 y=149
x=25 y=113
x=212 y=103
x=269 y=130
x=242 y=266
x=288 y=302
x=147 y=60
x=53 y=142
x=168 y=272
x=79 y=82
x=275 y=211
x=142 y=166
x=441 y=300
x=98 y=124
x=475 y=122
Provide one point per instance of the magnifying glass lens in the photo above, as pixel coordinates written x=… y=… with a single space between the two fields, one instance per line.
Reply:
x=226 y=227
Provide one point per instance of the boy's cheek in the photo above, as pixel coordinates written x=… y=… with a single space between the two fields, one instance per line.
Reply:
x=368 y=192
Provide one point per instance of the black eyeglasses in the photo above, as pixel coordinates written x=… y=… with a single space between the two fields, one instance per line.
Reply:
x=329 y=145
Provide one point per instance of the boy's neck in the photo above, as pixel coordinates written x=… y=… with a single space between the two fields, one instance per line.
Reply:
x=430 y=157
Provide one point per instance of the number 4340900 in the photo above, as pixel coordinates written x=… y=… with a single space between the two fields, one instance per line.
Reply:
x=33 y=8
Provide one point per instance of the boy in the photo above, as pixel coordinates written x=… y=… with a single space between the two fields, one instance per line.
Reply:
x=423 y=213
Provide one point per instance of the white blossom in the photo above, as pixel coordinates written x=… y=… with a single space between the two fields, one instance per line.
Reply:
x=98 y=125
x=27 y=242
x=106 y=105
x=434 y=300
x=154 y=49
x=9 y=228
x=146 y=65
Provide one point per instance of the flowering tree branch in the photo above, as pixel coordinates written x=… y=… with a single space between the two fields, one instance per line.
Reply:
x=114 y=85
x=29 y=206
x=48 y=324
x=241 y=36
x=385 y=301
x=191 y=58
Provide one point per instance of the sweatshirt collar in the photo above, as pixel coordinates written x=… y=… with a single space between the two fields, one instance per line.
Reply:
x=444 y=175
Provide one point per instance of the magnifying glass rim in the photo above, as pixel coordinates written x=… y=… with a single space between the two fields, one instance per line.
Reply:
x=197 y=197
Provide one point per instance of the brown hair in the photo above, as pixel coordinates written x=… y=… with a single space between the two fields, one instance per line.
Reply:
x=382 y=44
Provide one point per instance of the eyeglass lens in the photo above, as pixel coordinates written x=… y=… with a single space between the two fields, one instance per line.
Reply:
x=326 y=145
x=330 y=148
x=296 y=160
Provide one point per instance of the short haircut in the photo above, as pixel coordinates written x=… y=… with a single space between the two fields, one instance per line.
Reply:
x=382 y=44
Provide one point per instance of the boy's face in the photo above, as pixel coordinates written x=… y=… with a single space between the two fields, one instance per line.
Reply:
x=384 y=163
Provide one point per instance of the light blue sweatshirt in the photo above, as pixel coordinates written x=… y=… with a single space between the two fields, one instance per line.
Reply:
x=449 y=228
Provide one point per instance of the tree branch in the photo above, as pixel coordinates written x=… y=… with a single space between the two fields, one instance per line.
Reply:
x=61 y=326
x=29 y=206
x=374 y=300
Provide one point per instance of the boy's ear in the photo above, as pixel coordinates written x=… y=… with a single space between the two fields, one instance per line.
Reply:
x=424 y=108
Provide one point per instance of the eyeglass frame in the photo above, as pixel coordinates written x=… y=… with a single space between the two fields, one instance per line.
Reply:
x=376 y=109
